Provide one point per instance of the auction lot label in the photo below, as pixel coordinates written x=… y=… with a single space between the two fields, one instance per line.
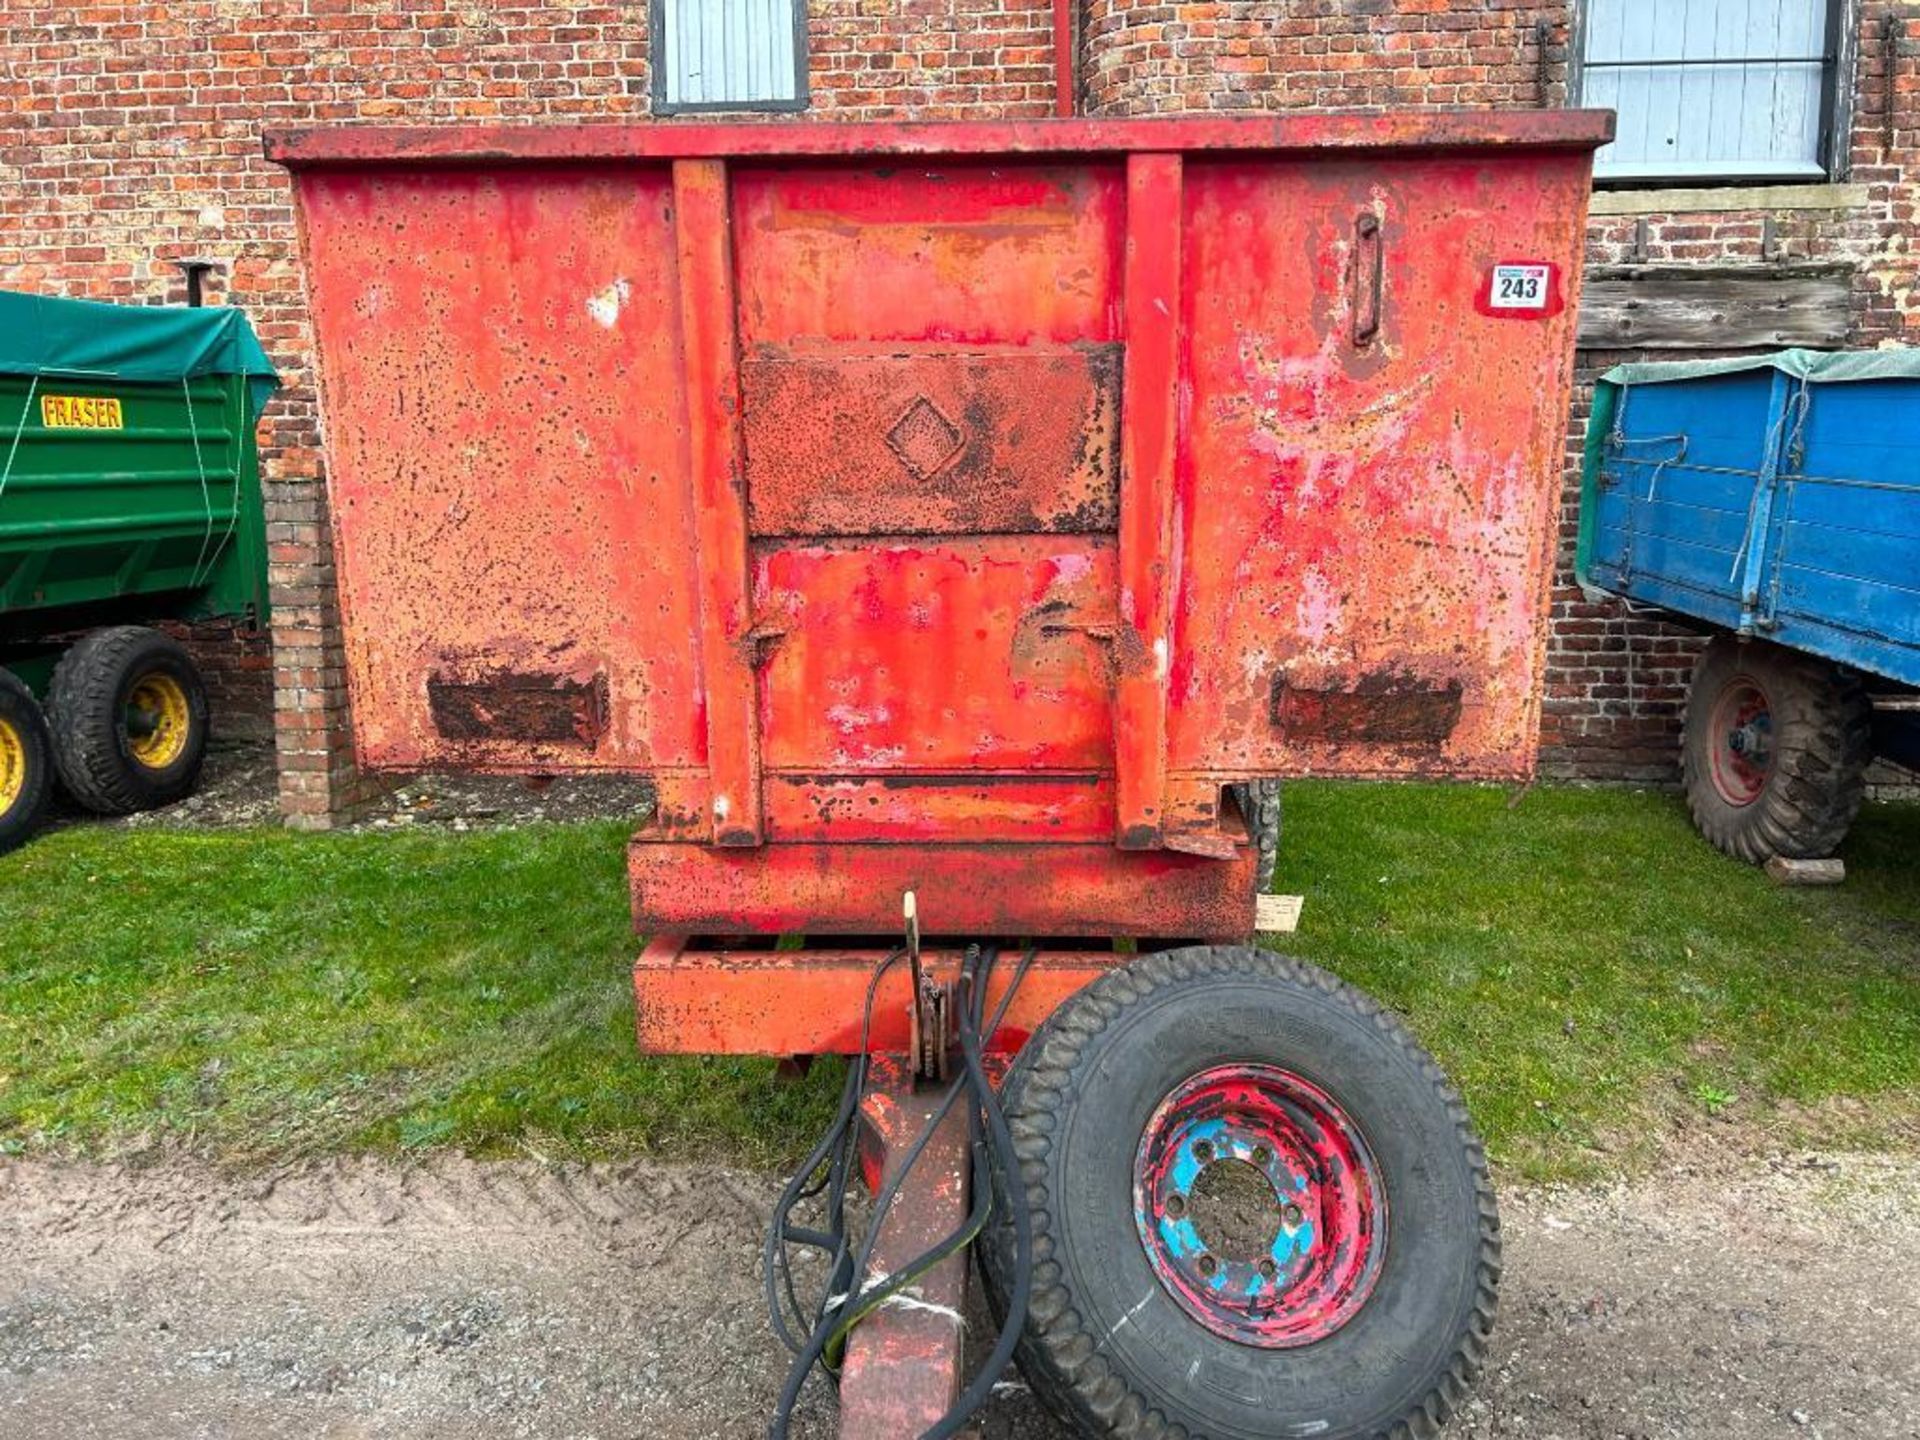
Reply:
x=1520 y=290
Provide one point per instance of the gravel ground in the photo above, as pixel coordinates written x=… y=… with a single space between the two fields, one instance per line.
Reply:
x=237 y=789
x=1755 y=1297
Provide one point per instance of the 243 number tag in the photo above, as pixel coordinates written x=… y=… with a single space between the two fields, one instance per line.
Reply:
x=1519 y=287
x=1521 y=290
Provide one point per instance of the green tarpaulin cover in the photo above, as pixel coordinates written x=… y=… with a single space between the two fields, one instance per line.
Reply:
x=41 y=335
x=1812 y=365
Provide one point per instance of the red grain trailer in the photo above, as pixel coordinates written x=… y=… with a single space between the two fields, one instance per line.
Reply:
x=989 y=512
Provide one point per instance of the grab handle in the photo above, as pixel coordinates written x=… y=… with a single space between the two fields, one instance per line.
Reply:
x=1369 y=279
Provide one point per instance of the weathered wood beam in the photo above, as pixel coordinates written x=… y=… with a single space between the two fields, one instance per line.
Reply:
x=1701 y=307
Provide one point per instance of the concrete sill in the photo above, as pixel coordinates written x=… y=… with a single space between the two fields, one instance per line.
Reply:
x=1696 y=199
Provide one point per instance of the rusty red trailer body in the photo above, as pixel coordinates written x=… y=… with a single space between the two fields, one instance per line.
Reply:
x=955 y=507
x=962 y=510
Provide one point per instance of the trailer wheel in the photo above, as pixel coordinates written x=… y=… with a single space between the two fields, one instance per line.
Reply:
x=26 y=763
x=1259 y=802
x=1775 y=750
x=1258 y=1209
x=128 y=713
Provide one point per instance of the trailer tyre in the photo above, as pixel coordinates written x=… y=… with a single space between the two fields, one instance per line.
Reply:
x=1259 y=802
x=1339 y=1283
x=1775 y=750
x=129 y=718
x=26 y=763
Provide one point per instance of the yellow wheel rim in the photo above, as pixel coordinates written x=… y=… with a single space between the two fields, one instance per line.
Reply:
x=13 y=765
x=157 y=721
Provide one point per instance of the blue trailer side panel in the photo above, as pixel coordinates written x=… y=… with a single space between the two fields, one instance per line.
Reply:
x=1767 y=500
x=1678 y=478
x=1844 y=545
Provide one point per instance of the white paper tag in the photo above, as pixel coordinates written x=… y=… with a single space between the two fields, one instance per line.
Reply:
x=1519 y=287
x=1277 y=914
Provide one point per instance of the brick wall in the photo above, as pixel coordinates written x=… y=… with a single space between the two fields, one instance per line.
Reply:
x=930 y=59
x=237 y=665
x=1144 y=57
x=129 y=138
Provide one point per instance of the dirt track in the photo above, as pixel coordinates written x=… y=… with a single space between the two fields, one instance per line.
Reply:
x=1777 y=1297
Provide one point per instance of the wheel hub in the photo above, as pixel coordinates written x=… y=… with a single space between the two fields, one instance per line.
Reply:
x=1324 y=1230
x=13 y=765
x=1742 y=724
x=157 y=721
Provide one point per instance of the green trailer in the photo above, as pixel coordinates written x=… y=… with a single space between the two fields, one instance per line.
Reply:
x=129 y=494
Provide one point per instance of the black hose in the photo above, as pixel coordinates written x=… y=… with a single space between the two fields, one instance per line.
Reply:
x=838 y=1303
x=841 y=1307
x=834 y=1150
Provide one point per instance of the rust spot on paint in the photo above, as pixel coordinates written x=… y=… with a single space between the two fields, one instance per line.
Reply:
x=520 y=705
x=984 y=779
x=1388 y=707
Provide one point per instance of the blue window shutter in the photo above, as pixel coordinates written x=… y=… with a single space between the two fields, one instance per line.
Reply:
x=728 y=55
x=1716 y=89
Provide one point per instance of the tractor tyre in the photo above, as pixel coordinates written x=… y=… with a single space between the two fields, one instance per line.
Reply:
x=1338 y=1281
x=129 y=718
x=26 y=763
x=1774 y=751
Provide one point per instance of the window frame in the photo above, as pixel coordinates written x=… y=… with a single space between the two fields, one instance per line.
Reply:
x=657 y=73
x=1834 y=151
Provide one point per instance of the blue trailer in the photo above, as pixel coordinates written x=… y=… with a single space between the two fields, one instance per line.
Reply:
x=1774 y=502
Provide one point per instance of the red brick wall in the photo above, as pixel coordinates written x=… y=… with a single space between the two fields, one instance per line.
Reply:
x=1144 y=57
x=237 y=665
x=931 y=59
x=129 y=138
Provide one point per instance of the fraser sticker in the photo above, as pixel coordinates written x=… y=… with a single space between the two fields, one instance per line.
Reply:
x=81 y=412
x=1521 y=290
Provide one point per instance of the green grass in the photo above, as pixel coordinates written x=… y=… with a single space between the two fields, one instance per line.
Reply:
x=261 y=994
x=1590 y=972
x=1587 y=969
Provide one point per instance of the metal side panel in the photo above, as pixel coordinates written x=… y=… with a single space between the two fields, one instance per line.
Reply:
x=508 y=467
x=1372 y=465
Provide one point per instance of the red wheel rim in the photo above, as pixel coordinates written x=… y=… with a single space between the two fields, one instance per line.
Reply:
x=1329 y=1210
x=1740 y=736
